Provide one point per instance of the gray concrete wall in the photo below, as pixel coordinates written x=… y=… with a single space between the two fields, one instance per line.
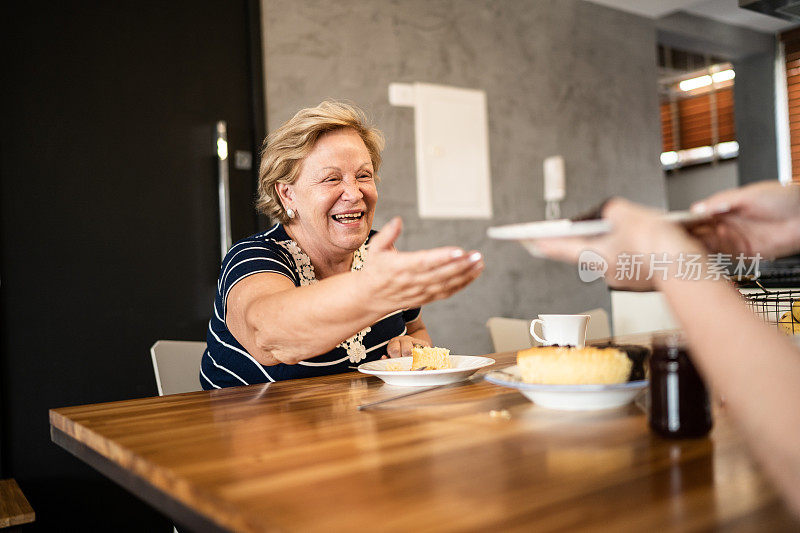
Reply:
x=754 y=106
x=562 y=77
x=691 y=184
x=702 y=35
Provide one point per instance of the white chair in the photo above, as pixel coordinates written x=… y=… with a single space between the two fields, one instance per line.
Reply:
x=510 y=334
x=599 y=326
x=176 y=365
x=640 y=312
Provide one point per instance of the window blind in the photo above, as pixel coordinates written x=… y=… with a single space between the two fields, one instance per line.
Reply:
x=791 y=45
x=693 y=118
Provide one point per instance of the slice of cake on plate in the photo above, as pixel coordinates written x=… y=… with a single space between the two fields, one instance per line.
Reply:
x=551 y=365
x=429 y=358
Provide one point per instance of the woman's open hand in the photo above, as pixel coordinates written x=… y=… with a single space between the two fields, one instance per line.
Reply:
x=411 y=279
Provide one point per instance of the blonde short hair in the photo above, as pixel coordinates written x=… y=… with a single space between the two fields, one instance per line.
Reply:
x=284 y=149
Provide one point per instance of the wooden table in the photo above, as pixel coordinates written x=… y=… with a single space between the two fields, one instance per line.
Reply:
x=14 y=507
x=299 y=456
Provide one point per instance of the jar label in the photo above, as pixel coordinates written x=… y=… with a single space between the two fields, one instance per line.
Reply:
x=673 y=403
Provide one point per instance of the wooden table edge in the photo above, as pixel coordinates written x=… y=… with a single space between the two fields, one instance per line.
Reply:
x=176 y=510
x=26 y=515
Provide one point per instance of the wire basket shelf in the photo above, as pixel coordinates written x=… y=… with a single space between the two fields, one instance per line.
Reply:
x=780 y=308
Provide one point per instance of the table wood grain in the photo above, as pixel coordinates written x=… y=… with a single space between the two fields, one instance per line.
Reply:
x=299 y=456
x=14 y=507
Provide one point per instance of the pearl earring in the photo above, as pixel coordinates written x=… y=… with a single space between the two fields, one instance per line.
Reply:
x=290 y=213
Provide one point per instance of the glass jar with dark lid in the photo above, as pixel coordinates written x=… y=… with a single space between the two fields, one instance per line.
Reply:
x=679 y=402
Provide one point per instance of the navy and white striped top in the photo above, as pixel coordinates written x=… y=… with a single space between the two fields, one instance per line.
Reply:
x=226 y=363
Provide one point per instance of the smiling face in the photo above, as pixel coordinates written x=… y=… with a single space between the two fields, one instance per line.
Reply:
x=334 y=196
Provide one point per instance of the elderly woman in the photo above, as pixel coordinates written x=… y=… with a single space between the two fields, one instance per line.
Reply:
x=320 y=292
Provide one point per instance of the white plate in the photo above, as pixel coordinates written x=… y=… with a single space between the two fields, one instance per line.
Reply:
x=529 y=232
x=546 y=229
x=463 y=366
x=569 y=397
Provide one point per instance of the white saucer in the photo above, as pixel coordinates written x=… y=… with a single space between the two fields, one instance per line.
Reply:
x=569 y=397
x=463 y=366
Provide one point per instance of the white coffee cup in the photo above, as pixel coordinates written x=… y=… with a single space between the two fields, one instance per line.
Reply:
x=561 y=329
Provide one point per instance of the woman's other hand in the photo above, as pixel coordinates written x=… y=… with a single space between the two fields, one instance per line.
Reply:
x=401 y=346
x=760 y=218
x=411 y=279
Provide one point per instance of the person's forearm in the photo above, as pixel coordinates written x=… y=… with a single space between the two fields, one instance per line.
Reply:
x=751 y=365
x=418 y=330
x=303 y=322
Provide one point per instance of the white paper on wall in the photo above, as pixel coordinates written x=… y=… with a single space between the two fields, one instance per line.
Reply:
x=452 y=147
